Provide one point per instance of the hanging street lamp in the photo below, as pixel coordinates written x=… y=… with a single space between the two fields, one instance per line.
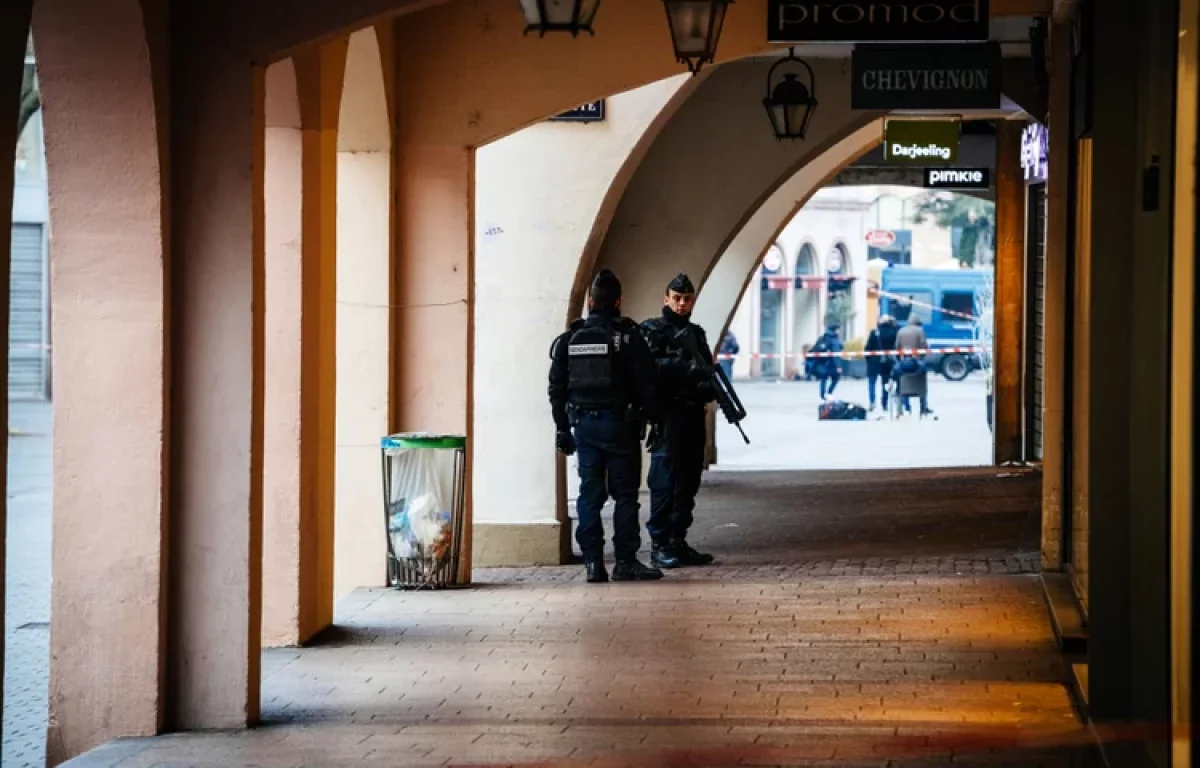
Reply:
x=695 y=29
x=790 y=103
x=572 y=16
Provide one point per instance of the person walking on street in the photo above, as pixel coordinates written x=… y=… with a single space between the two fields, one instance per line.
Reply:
x=828 y=366
x=727 y=351
x=911 y=346
x=677 y=460
x=881 y=343
x=602 y=388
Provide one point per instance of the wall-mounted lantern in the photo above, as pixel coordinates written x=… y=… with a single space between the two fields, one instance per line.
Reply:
x=572 y=16
x=695 y=29
x=790 y=103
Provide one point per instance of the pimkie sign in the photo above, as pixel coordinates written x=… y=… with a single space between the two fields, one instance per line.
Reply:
x=951 y=76
x=921 y=142
x=958 y=178
x=848 y=21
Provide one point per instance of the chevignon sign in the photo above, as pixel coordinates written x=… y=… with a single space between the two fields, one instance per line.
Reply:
x=946 y=76
x=806 y=21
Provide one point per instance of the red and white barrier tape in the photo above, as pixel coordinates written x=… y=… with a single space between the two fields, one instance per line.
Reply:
x=851 y=355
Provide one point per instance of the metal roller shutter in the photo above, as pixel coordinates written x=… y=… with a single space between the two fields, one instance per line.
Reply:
x=27 y=347
x=1035 y=319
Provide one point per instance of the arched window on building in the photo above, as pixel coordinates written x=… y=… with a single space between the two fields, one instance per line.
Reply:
x=771 y=312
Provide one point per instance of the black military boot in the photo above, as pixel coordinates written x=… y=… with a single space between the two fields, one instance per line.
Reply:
x=596 y=572
x=687 y=556
x=664 y=557
x=633 y=570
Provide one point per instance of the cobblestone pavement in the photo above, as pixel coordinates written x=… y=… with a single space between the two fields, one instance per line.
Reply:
x=847 y=622
x=27 y=606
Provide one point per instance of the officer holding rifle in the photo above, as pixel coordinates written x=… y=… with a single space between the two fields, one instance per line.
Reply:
x=684 y=361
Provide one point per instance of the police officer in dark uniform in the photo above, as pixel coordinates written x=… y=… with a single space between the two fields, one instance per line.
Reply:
x=602 y=385
x=677 y=460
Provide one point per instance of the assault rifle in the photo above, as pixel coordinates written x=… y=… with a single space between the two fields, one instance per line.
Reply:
x=727 y=399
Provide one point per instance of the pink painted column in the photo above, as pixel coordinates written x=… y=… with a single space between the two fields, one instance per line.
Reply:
x=108 y=267
x=217 y=378
x=14 y=26
x=434 y=279
x=283 y=227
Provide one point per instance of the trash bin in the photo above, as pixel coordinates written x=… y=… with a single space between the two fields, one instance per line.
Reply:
x=423 y=495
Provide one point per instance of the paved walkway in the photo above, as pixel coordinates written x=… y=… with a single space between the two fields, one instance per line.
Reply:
x=785 y=433
x=849 y=621
x=27 y=607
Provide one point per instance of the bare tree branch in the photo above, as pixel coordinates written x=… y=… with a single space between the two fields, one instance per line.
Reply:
x=31 y=100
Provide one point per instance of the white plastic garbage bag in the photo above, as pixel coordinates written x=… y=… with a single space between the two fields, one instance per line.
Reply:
x=421 y=505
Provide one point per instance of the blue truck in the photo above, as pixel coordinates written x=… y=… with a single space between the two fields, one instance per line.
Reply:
x=947 y=300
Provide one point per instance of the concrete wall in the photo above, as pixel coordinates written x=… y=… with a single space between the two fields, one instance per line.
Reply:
x=538 y=193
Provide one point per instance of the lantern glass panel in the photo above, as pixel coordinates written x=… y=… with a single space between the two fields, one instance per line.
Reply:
x=691 y=25
x=560 y=13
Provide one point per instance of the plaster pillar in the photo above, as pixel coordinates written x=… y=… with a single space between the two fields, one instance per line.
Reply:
x=319 y=73
x=108 y=265
x=1008 y=347
x=217 y=300
x=14 y=28
x=433 y=278
x=283 y=192
x=1054 y=301
x=300 y=192
x=364 y=250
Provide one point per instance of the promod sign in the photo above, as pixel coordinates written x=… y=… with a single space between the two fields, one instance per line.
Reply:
x=921 y=142
x=849 y=21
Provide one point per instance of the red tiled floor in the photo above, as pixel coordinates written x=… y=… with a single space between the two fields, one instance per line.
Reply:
x=943 y=656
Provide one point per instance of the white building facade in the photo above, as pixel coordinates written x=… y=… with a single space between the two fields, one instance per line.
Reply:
x=823 y=250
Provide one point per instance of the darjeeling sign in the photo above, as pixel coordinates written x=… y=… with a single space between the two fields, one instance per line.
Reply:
x=847 y=21
x=950 y=76
x=921 y=142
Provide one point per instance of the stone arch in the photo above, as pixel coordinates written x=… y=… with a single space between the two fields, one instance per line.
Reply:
x=680 y=214
x=616 y=190
x=363 y=314
x=734 y=268
x=101 y=75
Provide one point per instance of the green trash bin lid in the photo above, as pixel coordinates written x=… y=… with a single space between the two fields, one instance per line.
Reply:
x=424 y=440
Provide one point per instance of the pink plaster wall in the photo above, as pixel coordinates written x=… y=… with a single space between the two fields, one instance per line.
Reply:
x=216 y=500
x=283 y=193
x=108 y=271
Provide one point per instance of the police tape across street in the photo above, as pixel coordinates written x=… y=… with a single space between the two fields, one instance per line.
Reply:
x=849 y=355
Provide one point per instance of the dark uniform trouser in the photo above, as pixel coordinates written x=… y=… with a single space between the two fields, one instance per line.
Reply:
x=675 y=471
x=610 y=464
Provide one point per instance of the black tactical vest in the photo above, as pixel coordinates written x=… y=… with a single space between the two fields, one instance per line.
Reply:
x=594 y=366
